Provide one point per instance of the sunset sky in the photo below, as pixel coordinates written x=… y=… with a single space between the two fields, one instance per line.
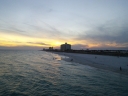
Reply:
x=85 y=24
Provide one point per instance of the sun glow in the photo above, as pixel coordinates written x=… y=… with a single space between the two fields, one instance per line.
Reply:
x=13 y=40
x=58 y=43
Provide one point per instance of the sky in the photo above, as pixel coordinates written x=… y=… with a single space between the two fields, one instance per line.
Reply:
x=85 y=24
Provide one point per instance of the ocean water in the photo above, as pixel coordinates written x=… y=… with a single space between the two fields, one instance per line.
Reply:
x=39 y=73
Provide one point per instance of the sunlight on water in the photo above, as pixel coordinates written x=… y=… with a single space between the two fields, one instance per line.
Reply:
x=38 y=73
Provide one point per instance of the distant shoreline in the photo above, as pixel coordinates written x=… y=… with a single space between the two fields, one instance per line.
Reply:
x=118 y=53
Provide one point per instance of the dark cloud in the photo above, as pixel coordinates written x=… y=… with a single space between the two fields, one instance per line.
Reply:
x=106 y=47
x=21 y=48
x=39 y=43
x=80 y=46
x=110 y=32
x=18 y=42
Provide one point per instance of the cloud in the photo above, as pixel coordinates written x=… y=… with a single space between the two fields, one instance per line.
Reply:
x=79 y=46
x=49 y=31
x=21 y=48
x=44 y=28
x=19 y=43
x=110 y=47
x=12 y=28
x=108 y=32
x=38 y=43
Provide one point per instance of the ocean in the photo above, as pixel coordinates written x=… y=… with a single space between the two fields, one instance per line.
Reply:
x=39 y=73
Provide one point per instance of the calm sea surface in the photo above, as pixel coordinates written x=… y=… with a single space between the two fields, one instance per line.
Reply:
x=36 y=73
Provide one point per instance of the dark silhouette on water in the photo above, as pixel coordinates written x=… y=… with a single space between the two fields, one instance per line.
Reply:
x=120 y=69
x=71 y=59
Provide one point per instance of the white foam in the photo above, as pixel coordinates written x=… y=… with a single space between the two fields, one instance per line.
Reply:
x=105 y=62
